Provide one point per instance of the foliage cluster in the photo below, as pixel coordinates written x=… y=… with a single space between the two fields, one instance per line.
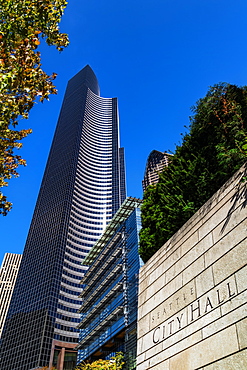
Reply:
x=214 y=148
x=116 y=363
x=22 y=80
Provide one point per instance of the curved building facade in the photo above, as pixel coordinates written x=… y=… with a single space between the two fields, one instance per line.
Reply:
x=82 y=188
x=156 y=162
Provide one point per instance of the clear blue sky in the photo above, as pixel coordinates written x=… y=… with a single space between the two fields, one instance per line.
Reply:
x=157 y=56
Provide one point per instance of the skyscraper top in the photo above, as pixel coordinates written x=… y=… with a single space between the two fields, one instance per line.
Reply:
x=87 y=77
x=155 y=164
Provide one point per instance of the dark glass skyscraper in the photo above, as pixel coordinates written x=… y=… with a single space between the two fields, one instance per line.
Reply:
x=155 y=164
x=82 y=188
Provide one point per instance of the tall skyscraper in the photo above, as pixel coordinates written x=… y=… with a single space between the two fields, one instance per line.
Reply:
x=8 y=274
x=82 y=188
x=155 y=163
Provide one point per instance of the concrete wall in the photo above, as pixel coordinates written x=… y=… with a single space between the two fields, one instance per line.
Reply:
x=192 y=297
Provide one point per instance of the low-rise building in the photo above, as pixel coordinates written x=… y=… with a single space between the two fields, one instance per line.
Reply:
x=110 y=290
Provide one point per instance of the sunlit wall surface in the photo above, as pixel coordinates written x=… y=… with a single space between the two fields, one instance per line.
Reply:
x=109 y=310
x=82 y=188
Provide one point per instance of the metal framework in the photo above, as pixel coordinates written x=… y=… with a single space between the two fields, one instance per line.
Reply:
x=109 y=294
x=122 y=214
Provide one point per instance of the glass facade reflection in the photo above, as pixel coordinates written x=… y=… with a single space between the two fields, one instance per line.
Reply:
x=110 y=289
x=82 y=188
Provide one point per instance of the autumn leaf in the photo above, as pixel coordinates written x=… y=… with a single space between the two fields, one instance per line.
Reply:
x=22 y=80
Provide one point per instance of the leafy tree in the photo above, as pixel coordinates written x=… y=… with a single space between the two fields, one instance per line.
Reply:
x=210 y=153
x=22 y=80
x=116 y=363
